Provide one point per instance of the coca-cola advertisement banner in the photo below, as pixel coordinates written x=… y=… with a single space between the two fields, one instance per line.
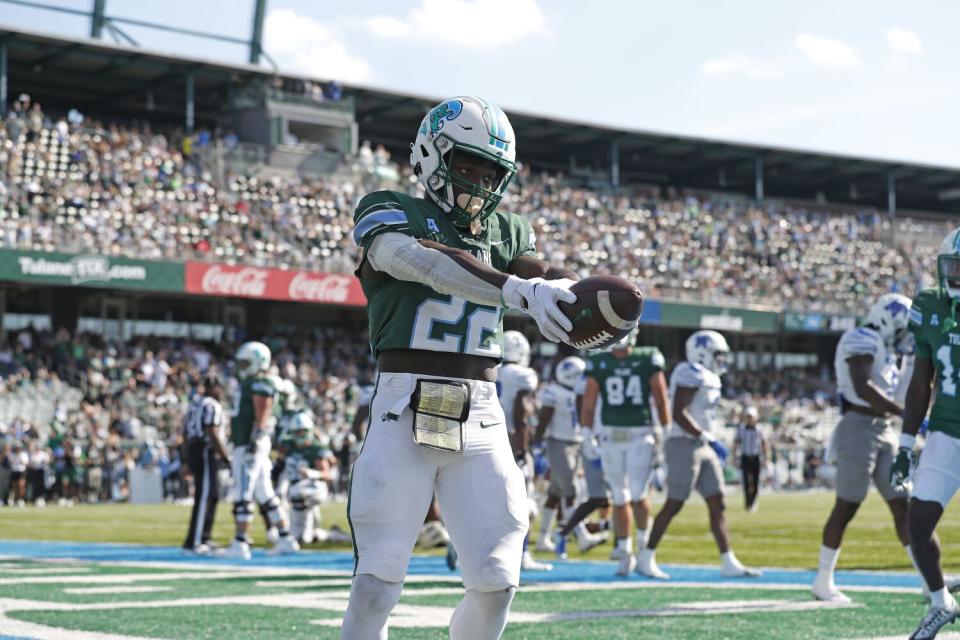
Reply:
x=273 y=284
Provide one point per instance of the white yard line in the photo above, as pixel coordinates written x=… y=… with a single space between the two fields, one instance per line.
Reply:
x=116 y=589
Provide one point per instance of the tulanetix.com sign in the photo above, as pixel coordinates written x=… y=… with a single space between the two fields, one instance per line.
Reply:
x=273 y=284
x=90 y=271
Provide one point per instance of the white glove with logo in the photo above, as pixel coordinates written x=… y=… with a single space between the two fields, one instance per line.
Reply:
x=538 y=298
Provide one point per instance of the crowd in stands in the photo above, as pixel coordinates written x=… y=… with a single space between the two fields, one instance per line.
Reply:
x=76 y=184
x=82 y=412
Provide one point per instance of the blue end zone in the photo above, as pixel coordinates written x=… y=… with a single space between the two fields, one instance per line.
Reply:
x=563 y=570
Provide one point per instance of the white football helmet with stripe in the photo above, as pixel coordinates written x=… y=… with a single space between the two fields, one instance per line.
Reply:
x=889 y=316
x=709 y=349
x=516 y=348
x=464 y=125
x=569 y=371
x=252 y=358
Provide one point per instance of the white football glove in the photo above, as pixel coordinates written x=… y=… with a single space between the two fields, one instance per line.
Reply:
x=538 y=298
x=590 y=448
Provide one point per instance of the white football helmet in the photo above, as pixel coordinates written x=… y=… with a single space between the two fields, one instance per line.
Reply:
x=252 y=358
x=710 y=349
x=458 y=126
x=569 y=370
x=889 y=315
x=516 y=348
x=948 y=264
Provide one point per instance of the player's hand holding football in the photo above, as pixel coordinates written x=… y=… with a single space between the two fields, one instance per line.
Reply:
x=539 y=298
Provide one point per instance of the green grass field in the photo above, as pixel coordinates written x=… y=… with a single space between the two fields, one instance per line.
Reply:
x=83 y=600
x=784 y=533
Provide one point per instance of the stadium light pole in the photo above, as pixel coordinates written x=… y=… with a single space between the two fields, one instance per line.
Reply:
x=98 y=18
x=188 y=124
x=614 y=163
x=892 y=193
x=256 y=38
x=758 y=178
x=3 y=78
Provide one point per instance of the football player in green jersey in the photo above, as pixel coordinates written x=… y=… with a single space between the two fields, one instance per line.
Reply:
x=624 y=381
x=934 y=324
x=438 y=273
x=249 y=433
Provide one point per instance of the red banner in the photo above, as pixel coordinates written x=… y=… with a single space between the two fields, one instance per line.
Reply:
x=273 y=284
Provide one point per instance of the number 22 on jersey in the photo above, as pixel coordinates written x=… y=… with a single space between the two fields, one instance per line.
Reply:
x=456 y=326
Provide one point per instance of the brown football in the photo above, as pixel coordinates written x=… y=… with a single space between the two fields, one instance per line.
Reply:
x=606 y=310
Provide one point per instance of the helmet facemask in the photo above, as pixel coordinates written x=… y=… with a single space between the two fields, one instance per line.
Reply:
x=948 y=274
x=469 y=183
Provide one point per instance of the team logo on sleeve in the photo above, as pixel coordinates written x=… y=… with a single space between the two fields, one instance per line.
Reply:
x=934 y=320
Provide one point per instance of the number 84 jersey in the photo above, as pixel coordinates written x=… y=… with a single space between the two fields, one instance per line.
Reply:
x=929 y=312
x=625 y=385
x=410 y=315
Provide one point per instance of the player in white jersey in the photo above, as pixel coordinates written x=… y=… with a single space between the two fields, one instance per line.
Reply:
x=694 y=455
x=516 y=388
x=864 y=441
x=558 y=427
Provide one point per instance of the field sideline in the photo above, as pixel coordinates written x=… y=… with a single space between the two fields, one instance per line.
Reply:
x=784 y=533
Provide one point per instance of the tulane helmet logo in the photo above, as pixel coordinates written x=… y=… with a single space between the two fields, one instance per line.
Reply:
x=449 y=110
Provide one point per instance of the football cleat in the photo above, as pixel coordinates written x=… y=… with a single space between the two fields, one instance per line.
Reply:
x=827 y=591
x=237 y=549
x=560 y=545
x=273 y=535
x=528 y=563
x=588 y=541
x=199 y=550
x=936 y=619
x=285 y=546
x=628 y=562
x=616 y=553
x=740 y=572
x=546 y=545
x=647 y=566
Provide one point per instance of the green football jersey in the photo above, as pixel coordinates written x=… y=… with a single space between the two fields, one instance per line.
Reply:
x=624 y=385
x=409 y=315
x=241 y=421
x=296 y=457
x=927 y=316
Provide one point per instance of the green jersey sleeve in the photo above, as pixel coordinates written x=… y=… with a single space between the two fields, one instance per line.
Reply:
x=526 y=239
x=264 y=387
x=377 y=213
x=925 y=321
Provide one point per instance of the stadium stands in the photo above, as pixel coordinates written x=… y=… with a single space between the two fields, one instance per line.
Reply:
x=84 y=186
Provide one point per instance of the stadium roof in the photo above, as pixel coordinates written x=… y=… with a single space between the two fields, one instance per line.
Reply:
x=121 y=81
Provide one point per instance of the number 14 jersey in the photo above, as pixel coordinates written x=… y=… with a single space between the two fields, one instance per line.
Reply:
x=940 y=344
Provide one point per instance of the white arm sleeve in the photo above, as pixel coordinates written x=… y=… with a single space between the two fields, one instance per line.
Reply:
x=406 y=259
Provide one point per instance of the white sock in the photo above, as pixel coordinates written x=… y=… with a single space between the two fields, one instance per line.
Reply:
x=914 y=563
x=828 y=561
x=625 y=544
x=546 y=522
x=940 y=598
x=729 y=559
x=641 y=539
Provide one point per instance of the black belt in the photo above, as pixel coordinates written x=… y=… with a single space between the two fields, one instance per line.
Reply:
x=438 y=363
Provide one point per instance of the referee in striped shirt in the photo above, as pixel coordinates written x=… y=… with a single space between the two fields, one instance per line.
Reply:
x=203 y=436
x=750 y=445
